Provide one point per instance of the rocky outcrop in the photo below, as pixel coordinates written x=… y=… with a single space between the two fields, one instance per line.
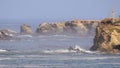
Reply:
x=26 y=29
x=6 y=33
x=81 y=27
x=46 y=28
x=75 y=27
x=107 y=38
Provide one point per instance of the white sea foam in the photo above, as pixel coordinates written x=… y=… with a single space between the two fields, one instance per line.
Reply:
x=66 y=36
x=58 y=51
x=75 y=49
x=61 y=35
x=25 y=36
x=2 y=50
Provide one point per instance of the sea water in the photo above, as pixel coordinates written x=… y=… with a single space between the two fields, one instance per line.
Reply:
x=52 y=52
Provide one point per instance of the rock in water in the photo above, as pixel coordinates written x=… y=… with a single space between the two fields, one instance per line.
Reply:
x=7 y=34
x=26 y=29
x=46 y=28
x=107 y=38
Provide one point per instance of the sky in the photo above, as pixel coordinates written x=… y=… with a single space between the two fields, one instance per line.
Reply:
x=58 y=9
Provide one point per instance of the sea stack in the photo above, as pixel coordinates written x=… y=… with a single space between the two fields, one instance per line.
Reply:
x=107 y=38
x=26 y=29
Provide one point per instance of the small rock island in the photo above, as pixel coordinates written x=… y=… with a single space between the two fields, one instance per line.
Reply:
x=107 y=38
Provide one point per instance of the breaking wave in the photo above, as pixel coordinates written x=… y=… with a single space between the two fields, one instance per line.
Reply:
x=25 y=36
x=61 y=36
x=58 y=51
x=3 y=51
x=54 y=36
x=70 y=50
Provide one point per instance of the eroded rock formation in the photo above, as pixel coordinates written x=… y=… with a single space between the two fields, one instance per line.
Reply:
x=107 y=38
x=6 y=33
x=75 y=27
x=81 y=27
x=26 y=29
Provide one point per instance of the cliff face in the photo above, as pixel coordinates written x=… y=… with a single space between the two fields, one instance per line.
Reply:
x=70 y=27
x=107 y=38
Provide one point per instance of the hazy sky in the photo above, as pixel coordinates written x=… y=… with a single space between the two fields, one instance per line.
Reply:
x=58 y=9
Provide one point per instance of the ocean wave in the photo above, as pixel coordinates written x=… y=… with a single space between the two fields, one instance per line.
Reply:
x=61 y=35
x=58 y=51
x=66 y=36
x=3 y=51
x=25 y=36
x=70 y=50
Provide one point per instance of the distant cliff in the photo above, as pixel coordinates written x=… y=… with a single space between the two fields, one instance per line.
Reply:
x=107 y=38
x=74 y=27
x=81 y=27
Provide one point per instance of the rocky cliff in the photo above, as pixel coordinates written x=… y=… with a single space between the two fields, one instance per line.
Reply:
x=81 y=27
x=74 y=27
x=107 y=38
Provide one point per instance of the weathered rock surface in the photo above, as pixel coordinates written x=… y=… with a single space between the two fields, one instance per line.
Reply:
x=6 y=33
x=26 y=29
x=107 y=38
x=81 y=27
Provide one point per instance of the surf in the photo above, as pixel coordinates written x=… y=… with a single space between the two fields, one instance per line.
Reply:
x=3 y=51
x=74 y=49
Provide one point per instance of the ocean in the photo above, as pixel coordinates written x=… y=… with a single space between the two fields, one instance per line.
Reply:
x=52 y=51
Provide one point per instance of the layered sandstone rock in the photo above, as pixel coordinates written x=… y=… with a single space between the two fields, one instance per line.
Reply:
x=26 y=29
x=107 y=38
x=81 y=27
x=46 y=28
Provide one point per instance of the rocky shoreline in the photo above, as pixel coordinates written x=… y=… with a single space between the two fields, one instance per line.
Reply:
x=107 y=34
x=74 y=27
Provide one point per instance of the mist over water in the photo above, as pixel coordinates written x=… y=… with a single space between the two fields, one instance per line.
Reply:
x=27 y=42
x=51 y=51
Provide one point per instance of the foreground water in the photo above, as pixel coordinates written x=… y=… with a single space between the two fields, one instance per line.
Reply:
x=52 y=52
